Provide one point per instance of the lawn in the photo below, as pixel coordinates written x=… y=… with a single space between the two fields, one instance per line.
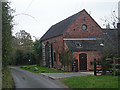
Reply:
x=91 y=82
x=42 y=69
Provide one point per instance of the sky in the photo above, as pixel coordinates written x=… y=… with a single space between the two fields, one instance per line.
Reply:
x=37 y=16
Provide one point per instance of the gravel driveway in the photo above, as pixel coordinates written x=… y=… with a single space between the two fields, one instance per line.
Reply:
x=64 y=75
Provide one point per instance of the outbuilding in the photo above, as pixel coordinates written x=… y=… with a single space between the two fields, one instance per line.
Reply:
x=79 y=33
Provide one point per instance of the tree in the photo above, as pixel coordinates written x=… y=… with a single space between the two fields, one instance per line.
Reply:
x=19 y=58
x=66 y=57
x=31 y=58
x=108 y=51
x=23 y=41
x=111 y=21
x=6 y=32
x=37 y=51
x=111 y=48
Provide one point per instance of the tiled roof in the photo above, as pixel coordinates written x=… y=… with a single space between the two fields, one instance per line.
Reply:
x=111 y=35
x=84 y=45
x=60 y=27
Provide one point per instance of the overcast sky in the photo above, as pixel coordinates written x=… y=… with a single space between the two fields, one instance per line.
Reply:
x=37 y=16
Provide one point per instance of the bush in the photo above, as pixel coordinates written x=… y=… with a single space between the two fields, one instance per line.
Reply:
x=66 y=57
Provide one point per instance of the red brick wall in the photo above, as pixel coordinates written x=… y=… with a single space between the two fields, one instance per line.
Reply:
x=57 y=43
x=93 y=29
x=91 y=55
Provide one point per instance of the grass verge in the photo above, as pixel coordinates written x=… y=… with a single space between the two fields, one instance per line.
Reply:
x=91 y=82
x=7 y=80
x=42 y=69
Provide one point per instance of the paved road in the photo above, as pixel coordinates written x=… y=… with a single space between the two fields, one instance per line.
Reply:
x=26 y=79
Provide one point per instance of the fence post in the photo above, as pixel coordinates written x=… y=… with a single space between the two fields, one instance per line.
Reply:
x=114 y=67
x=95 y=67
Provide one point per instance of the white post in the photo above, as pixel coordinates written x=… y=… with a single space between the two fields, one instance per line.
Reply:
x=43 y=54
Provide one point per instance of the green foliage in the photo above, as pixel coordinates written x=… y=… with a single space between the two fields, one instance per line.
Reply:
x=108 y=51
x=22 y=58
x=7 y=80
x=24 y=50
x=6 y=32
x=66 y=57
x=104 y=65
x=19 y=57
x=21 y=47
x=110 y=64
x=115 y=66
x=37 y=52
x=22 y=41
x=92 y=82
x=31 y=57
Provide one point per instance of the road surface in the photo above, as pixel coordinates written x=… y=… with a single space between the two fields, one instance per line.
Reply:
x=26 y=79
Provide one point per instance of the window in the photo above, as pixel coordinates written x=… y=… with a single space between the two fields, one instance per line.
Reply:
x=78 y=44
x=54 y=41
x=84 y=27
x=101 y=44
x=84 y=18
x=54 y=56
x=74 y=29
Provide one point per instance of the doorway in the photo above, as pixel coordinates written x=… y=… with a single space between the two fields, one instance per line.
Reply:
x=83 y=61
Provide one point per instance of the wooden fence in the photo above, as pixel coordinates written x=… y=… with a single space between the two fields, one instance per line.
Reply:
x=112 y=67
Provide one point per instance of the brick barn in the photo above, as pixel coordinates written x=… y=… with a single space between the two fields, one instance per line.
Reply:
x=79 y=33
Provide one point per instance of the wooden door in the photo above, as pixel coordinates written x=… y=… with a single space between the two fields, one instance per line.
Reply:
x=83 y=61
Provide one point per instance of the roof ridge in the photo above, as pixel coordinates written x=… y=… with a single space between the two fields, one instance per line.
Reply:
x=58 y=28
x=68 y=17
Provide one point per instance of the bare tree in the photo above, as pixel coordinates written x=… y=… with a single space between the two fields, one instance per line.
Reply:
x=111 y=22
